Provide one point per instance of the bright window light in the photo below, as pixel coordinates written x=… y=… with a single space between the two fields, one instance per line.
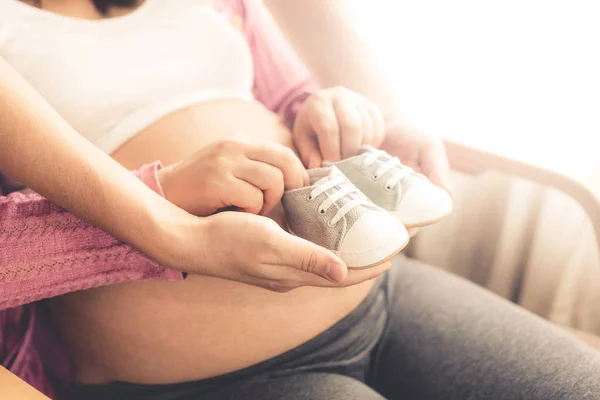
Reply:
x=517 y=73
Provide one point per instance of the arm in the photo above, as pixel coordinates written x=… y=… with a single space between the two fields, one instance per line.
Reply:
x=38 y=148
x=281 y=81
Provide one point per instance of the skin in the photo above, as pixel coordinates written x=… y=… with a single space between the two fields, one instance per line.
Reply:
x=354 y=65
x=34 y=145
x=126 y=332
x=129 y=328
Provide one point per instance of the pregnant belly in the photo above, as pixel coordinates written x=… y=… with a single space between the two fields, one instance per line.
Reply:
x=164 y=332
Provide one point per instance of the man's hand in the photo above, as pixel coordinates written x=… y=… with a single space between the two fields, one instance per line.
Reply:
x=332 y=124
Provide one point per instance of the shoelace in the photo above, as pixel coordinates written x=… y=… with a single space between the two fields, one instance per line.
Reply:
x=390 y=163
x=346 y=188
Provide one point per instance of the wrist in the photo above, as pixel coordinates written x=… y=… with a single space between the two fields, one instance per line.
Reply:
x=149 y=174
x=161 y=228
x=157 y=217
x=172 y=187
x=179 y=238
x=164 y=177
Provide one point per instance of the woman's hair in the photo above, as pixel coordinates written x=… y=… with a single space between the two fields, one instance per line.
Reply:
x=104 y=5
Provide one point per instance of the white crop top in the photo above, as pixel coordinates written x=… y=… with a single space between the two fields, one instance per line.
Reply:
x=112 y=78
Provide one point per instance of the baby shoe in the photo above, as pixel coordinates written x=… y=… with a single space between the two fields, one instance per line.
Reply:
x=408 y=195
x=333 y=213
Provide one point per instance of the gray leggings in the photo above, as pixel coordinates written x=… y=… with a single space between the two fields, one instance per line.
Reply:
x=421 y=334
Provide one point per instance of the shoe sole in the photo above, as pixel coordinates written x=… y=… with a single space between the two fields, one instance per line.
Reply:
x=433 y=221
x=388 y=258
x=395 y=253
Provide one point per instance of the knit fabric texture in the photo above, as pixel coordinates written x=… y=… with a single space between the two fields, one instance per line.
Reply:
x=44 y=252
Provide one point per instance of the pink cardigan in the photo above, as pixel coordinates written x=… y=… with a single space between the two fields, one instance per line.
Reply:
x=46 y=252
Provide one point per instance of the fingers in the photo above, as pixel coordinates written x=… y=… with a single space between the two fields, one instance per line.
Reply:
x=286 y=278
x=291 y=278
x=265 y=177
x=305 y=256
x=246 y=197
x=356 y=276
x=283 y=158
x=308 y=147
x=378 y=124
x=368 y=126
x=334 y=123
x=306 y=142
x=324 y=122
x=350 y=123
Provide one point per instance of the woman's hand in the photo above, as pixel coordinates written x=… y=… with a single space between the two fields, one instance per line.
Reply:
x=332 y=124
x=425 y=154
x=233 y=174
x=241 y=246
x=255 y=250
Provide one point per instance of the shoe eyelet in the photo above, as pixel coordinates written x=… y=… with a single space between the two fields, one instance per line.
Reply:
x=375 y=177
x=321 y=211
x=310 y=197
x=388 y=187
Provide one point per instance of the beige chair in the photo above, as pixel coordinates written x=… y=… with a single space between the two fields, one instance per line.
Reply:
x=582 y=185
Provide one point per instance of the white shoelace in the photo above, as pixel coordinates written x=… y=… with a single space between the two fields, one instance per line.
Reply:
x=390 y=163
x=346 y=188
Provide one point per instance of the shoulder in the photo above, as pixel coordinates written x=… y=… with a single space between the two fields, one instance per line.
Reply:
x=246 y=14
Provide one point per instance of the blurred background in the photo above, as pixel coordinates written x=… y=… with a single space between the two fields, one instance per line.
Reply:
x=518 y=78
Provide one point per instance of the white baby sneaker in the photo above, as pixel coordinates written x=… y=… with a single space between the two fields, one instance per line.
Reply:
x=408 y=195
x=333 y=213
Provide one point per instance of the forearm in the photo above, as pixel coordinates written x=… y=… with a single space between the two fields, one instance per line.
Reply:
x=41 y=150
x=46 y=251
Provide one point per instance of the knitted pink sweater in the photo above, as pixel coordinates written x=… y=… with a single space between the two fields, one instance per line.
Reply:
x=46 y=251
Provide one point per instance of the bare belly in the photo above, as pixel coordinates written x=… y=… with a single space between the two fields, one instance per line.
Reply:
x=163 y=332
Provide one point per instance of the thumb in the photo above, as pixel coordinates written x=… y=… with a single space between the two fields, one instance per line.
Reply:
x=308 y=146
x=309 y=257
